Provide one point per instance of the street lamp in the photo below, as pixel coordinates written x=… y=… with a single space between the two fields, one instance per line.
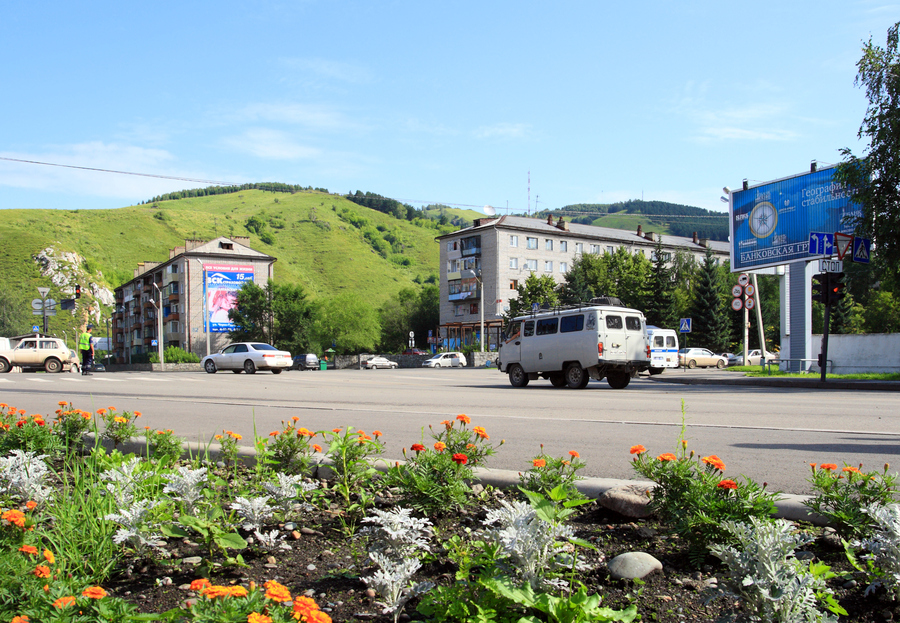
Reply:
x=471 y=274
x=159 y=328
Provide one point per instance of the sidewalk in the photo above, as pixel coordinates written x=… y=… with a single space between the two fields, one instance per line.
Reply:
x=724 y=377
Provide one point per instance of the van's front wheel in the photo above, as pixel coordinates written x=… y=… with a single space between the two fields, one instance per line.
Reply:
x=618 y=380
x=576 y=376
x=517 y=376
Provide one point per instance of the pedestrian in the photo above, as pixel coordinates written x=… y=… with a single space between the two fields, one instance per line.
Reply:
x=86 y=346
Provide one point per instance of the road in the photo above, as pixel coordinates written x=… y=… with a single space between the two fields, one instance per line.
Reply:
x=768 y=434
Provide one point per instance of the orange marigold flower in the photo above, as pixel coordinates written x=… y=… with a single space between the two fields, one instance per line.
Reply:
x=854 y=470
x=479 y=430
x=470 y=446
x=235 y=436
x=200 y=584
x=828 y=467
x=237 y=591
x=317 y=616
x=274 y=433
x=460 y=459
x=120 y=420
x=101 y=411
x=218 y=437
x=465 y=419
x=49 y=557
x=574 y=454
x=15 y=517
x=64 y=602
x=295 y=419
x=94 y=592
x=667 y=456
x=256 y=617
x=29 y=549
x=304 y=432
x=20 y=619
x=713 y=461
x=277 y=592
x=447 y=424
x=638 y=449
x=303 y=607
x=61 y=403
x=417 y=447
x=137 y=414
x=539 y=462
x=336 y=431
x=440 y=446
x=377 y=433
x=317 y=447
x=727 y=484
x=42 y=571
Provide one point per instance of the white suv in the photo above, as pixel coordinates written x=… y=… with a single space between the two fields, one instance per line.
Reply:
x=446 y=360
x=48 y=353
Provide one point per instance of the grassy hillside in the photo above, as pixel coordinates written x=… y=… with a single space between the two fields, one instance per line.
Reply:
x=322 y=241
x=622 y=220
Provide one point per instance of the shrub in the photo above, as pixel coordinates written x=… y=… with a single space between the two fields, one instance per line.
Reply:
x=843 y=497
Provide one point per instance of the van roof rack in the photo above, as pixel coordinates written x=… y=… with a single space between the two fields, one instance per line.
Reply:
x=607 y=300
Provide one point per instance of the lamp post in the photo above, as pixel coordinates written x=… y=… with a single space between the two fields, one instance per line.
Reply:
x=203 y=304
x=159 y=328
x=471 y=274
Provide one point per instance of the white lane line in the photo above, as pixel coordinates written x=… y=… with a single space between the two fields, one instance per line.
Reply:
x=38 y=380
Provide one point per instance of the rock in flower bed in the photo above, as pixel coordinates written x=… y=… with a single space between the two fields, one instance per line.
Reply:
x=91 y=535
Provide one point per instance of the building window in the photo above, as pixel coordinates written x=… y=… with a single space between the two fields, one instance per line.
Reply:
x=173 y=327
x=563 y=246
x=639 y=252
x=513 y=284
x=453 y=245
x=514 y=263
x=548 y=266
x=548 y=244
x=173 y=268
x=595 y=249
x=473 y=308
x=452 y=266
x=579 y=248
x=531 y=265
x=530 y=243
x=563 y=267
x=459 y=310
x=609 y=249
x=513 y=241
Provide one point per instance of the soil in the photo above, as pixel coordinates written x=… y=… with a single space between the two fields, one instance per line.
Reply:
x=324 y=564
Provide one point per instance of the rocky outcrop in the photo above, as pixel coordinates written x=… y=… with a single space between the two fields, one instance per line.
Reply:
x=65 y=269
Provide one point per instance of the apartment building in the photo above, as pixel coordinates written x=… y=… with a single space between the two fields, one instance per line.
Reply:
x=198 y=278
x=505 y=250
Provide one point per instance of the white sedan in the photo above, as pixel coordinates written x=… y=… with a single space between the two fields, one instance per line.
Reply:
x=248 y=357
x=445 y=360
x=380 y=362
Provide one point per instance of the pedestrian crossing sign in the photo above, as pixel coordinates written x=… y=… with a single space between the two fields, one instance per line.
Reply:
x=684 y=325
x=861 y=250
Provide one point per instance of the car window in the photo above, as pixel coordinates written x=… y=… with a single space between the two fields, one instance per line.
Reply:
x=227 y=350
x=547 y=326
x=48 y=344
x=632 y=323
x=240 y=348
x=529 y=329
x=570 y=324
x=658 y=341
x=263 y=347
x=670 y=341
x=614 y=322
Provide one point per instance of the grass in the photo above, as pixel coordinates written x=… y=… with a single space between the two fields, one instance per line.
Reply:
x=757 y=371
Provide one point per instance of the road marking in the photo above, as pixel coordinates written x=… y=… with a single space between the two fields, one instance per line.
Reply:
x=38 y=381
x=105 y=380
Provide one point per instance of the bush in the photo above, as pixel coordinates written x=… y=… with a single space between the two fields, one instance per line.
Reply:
x=172 y=354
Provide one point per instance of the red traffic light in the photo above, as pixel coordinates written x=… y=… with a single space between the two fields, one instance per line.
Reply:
x=77 y=291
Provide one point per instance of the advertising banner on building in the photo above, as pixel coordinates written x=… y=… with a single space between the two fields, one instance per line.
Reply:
x=771 y=223
x=222 y=284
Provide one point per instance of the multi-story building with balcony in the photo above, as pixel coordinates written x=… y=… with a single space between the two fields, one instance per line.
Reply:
x=196 y=279
x=505 y=250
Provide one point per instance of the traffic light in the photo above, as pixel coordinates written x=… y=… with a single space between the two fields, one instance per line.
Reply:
x=835 y=287
x=77 y=291
x=820 y=288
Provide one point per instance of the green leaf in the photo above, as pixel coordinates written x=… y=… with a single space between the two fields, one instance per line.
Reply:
x=174 y=532
x=230 y=540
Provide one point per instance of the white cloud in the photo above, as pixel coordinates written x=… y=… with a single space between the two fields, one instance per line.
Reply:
x=335 y=70
x=270 y=144
x=300 y=114
x=503 y=130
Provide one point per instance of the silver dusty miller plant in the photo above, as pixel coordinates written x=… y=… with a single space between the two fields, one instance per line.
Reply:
x=764 y=574
x=136 y=530
x=253 y=511
x=531 y=548
x=288 y=489
x=884 y=548
x=22 y=476
x=396 y=538
x=187 y=487
x=124 y=481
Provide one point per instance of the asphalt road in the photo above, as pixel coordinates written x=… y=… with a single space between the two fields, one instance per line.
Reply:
x=769 y=434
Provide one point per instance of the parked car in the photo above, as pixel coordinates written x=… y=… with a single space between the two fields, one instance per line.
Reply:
x=309 y=361
x=445 y=360
x=380 y=362
x=248 y=357
x=754 y=357
x=33 y=353
x=734 y=359
x=415 y=351
x=693 y=357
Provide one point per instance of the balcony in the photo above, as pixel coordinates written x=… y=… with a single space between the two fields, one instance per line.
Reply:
x=169 y=317
x=174 y=296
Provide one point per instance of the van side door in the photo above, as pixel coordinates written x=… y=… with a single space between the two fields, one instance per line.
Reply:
x=635 y=338
x=614 y=343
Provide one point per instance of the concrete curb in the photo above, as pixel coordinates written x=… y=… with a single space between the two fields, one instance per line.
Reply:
x=756 y=381
x=790 y=506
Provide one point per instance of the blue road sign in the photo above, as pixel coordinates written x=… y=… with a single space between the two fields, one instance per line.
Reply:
x=684 y=325
x=35 y=328
x=821 y=243
x=861 y=250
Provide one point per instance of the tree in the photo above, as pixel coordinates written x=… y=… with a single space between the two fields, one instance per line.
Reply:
x=348 y=322
x=710 y=323
x=14 y=317
x=294 y=317
x=582 y=278
x=874 y=180
x=409 y=310
x=540 y=290
x=252 y=314
x=660 y=308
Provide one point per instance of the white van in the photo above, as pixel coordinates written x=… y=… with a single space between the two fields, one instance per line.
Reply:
x=571 y=345
x=663 y=349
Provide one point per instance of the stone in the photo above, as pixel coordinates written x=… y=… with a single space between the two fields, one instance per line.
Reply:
x=645 y=533
x=192 y=560
x=370 y=593
x=629 y=500
x=295 y=534
x=308 y=531
x=633 y=565
x=290 y=526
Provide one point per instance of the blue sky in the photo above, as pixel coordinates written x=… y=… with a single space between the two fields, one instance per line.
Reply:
x=427 y=102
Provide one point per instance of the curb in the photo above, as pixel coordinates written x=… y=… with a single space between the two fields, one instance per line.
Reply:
x=796 y=383
x=789 y=506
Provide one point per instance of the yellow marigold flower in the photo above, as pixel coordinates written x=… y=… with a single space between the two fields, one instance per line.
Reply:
x=49 y=557
x=94 y=592
x=854 y=470
x=539 y=462
x=218 y=437
x=64 y=602
x=255 y=617
x=120 y=420
x=638 y=449
x=277 y=592
x=29 y=549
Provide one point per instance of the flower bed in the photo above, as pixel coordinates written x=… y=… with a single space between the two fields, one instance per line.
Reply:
x=94 y=535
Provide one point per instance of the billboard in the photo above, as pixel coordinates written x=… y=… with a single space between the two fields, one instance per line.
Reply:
x=770 y=224
x=221 y=286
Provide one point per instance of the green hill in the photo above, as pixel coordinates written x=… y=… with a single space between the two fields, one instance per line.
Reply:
x=322 y=241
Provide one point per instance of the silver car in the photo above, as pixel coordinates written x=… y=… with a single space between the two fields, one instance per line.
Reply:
x=693 y=357
x=248 y=357
x=445 y=360
x=380 y=362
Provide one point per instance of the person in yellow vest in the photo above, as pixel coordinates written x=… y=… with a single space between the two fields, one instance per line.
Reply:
x=86 y=346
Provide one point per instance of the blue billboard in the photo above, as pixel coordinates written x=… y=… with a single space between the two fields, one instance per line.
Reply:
x=222 y=283
x=771 y=223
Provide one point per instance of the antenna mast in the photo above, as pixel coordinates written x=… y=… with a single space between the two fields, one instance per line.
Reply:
x=529 y=193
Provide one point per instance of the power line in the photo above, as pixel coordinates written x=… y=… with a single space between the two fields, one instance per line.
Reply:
x=164 y=177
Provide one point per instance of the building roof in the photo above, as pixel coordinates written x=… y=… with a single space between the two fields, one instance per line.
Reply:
x=577 y=230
